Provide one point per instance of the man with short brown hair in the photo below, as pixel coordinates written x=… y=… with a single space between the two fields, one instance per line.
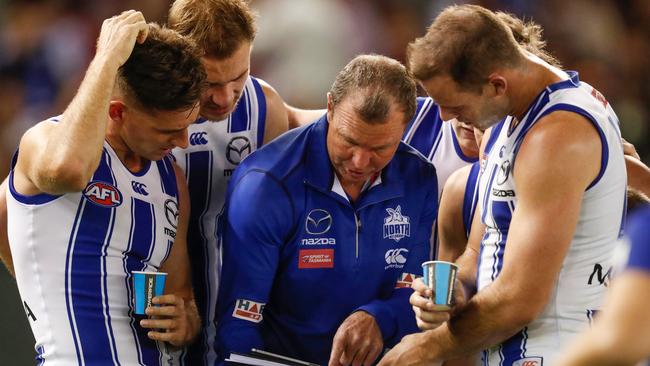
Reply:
x=93 y=197
x=552 y=196
x=326 y=227
x=238 y=114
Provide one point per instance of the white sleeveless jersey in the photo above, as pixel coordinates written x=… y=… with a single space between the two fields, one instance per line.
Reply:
x=74 y=254
x=215 y=149
x=582 y=279
x=436 y=140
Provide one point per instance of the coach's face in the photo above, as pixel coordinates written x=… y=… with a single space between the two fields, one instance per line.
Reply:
x=480 y=109
x=226 y=79
x=358 y=149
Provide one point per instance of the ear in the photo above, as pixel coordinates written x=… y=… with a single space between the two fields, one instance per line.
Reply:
x=497 y=85
x=330 y=108
x=116 y=110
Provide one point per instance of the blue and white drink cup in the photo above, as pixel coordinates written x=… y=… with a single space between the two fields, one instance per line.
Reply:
x=440 y=276
x=146 y=286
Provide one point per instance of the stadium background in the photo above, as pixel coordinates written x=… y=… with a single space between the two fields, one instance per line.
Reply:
x=45 y=46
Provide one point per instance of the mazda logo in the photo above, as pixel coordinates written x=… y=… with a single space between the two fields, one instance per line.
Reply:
x=504 y=172
x=171 y=212
x=238 y=148
x=318 y=222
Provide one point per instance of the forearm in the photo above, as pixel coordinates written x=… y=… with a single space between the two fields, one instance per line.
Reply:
x=5 y=252
x=77 y=141
x=487 y=319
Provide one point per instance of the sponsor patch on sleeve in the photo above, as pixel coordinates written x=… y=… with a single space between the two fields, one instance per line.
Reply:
x=248 y=310
x=405 y=280
x=315 y=258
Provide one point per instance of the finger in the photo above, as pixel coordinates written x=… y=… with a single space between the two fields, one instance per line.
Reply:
x=170 y=337
x=163 y=311
x=372 y=355
x=347 y=356
x=421 y=302
x=337 y=349
x=360 y=355
x=420 y=288
x=158 y=323
x=170 y=299
x=134 y=17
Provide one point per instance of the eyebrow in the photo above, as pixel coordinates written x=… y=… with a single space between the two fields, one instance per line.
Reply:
x=212 y=83
x=355 y=143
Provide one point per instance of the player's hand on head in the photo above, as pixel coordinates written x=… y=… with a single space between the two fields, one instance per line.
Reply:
x=169 y=321
x=357 y=342
x=118 y=36
x=629 y=149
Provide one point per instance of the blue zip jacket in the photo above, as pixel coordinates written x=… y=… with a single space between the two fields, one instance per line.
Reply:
x=298 y=258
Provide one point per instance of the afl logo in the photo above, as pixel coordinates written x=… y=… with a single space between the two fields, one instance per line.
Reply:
x=103 y=194
x=238 y=148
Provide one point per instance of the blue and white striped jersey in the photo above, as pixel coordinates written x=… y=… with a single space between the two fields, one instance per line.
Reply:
x=216 y=148
x=577 y=295
x=436 y=140
x=74 y=254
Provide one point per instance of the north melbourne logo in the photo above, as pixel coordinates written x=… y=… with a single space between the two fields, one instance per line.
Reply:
x=238 y=148
x=396 y=225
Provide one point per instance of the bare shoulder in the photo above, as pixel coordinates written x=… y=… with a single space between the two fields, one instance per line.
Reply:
x=277 y=121
x=456 y=183
x=563 y=145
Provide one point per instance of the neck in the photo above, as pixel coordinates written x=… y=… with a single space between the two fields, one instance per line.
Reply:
x=533 y=77
x=352 y=189
x=131 y=160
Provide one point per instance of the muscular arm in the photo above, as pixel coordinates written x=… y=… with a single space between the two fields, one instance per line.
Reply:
x=550 y=185
x=5 y=252
x=56 y=158
x=621 y=331
x=451 y=231
x=300 y=117
x=638 y=175
x=276 y=115
x=185 y=316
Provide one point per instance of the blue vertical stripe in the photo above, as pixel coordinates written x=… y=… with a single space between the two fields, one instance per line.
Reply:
x=427 y=132
x=87 y=277
x=514 y=348
x=140 y=249
x=239 y=118
x=470 y=197
x=39 y=355
x=167 y=176
x=261 y=112
x=199 y=177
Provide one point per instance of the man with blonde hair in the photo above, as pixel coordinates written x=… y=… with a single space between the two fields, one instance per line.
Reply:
x=238 y=114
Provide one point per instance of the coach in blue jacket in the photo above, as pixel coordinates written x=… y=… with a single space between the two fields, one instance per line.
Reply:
x=326 y=226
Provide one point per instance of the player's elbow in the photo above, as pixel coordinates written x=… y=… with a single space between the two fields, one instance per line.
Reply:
x=60 y=177
x=524 y=307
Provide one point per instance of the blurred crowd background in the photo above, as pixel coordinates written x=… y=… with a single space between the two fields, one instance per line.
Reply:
x=46 y=45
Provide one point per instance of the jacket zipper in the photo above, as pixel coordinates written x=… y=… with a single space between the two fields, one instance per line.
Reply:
x=357 y=222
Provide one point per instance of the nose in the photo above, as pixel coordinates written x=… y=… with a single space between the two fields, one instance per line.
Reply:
x=361 y=159
x=180 y=139
x=222 y=95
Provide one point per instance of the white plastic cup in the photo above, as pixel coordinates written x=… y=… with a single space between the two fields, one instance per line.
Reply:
x=440 y=276
x=146 y=286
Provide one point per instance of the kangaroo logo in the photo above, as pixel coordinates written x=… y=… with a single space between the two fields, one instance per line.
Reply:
x=396 y=225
